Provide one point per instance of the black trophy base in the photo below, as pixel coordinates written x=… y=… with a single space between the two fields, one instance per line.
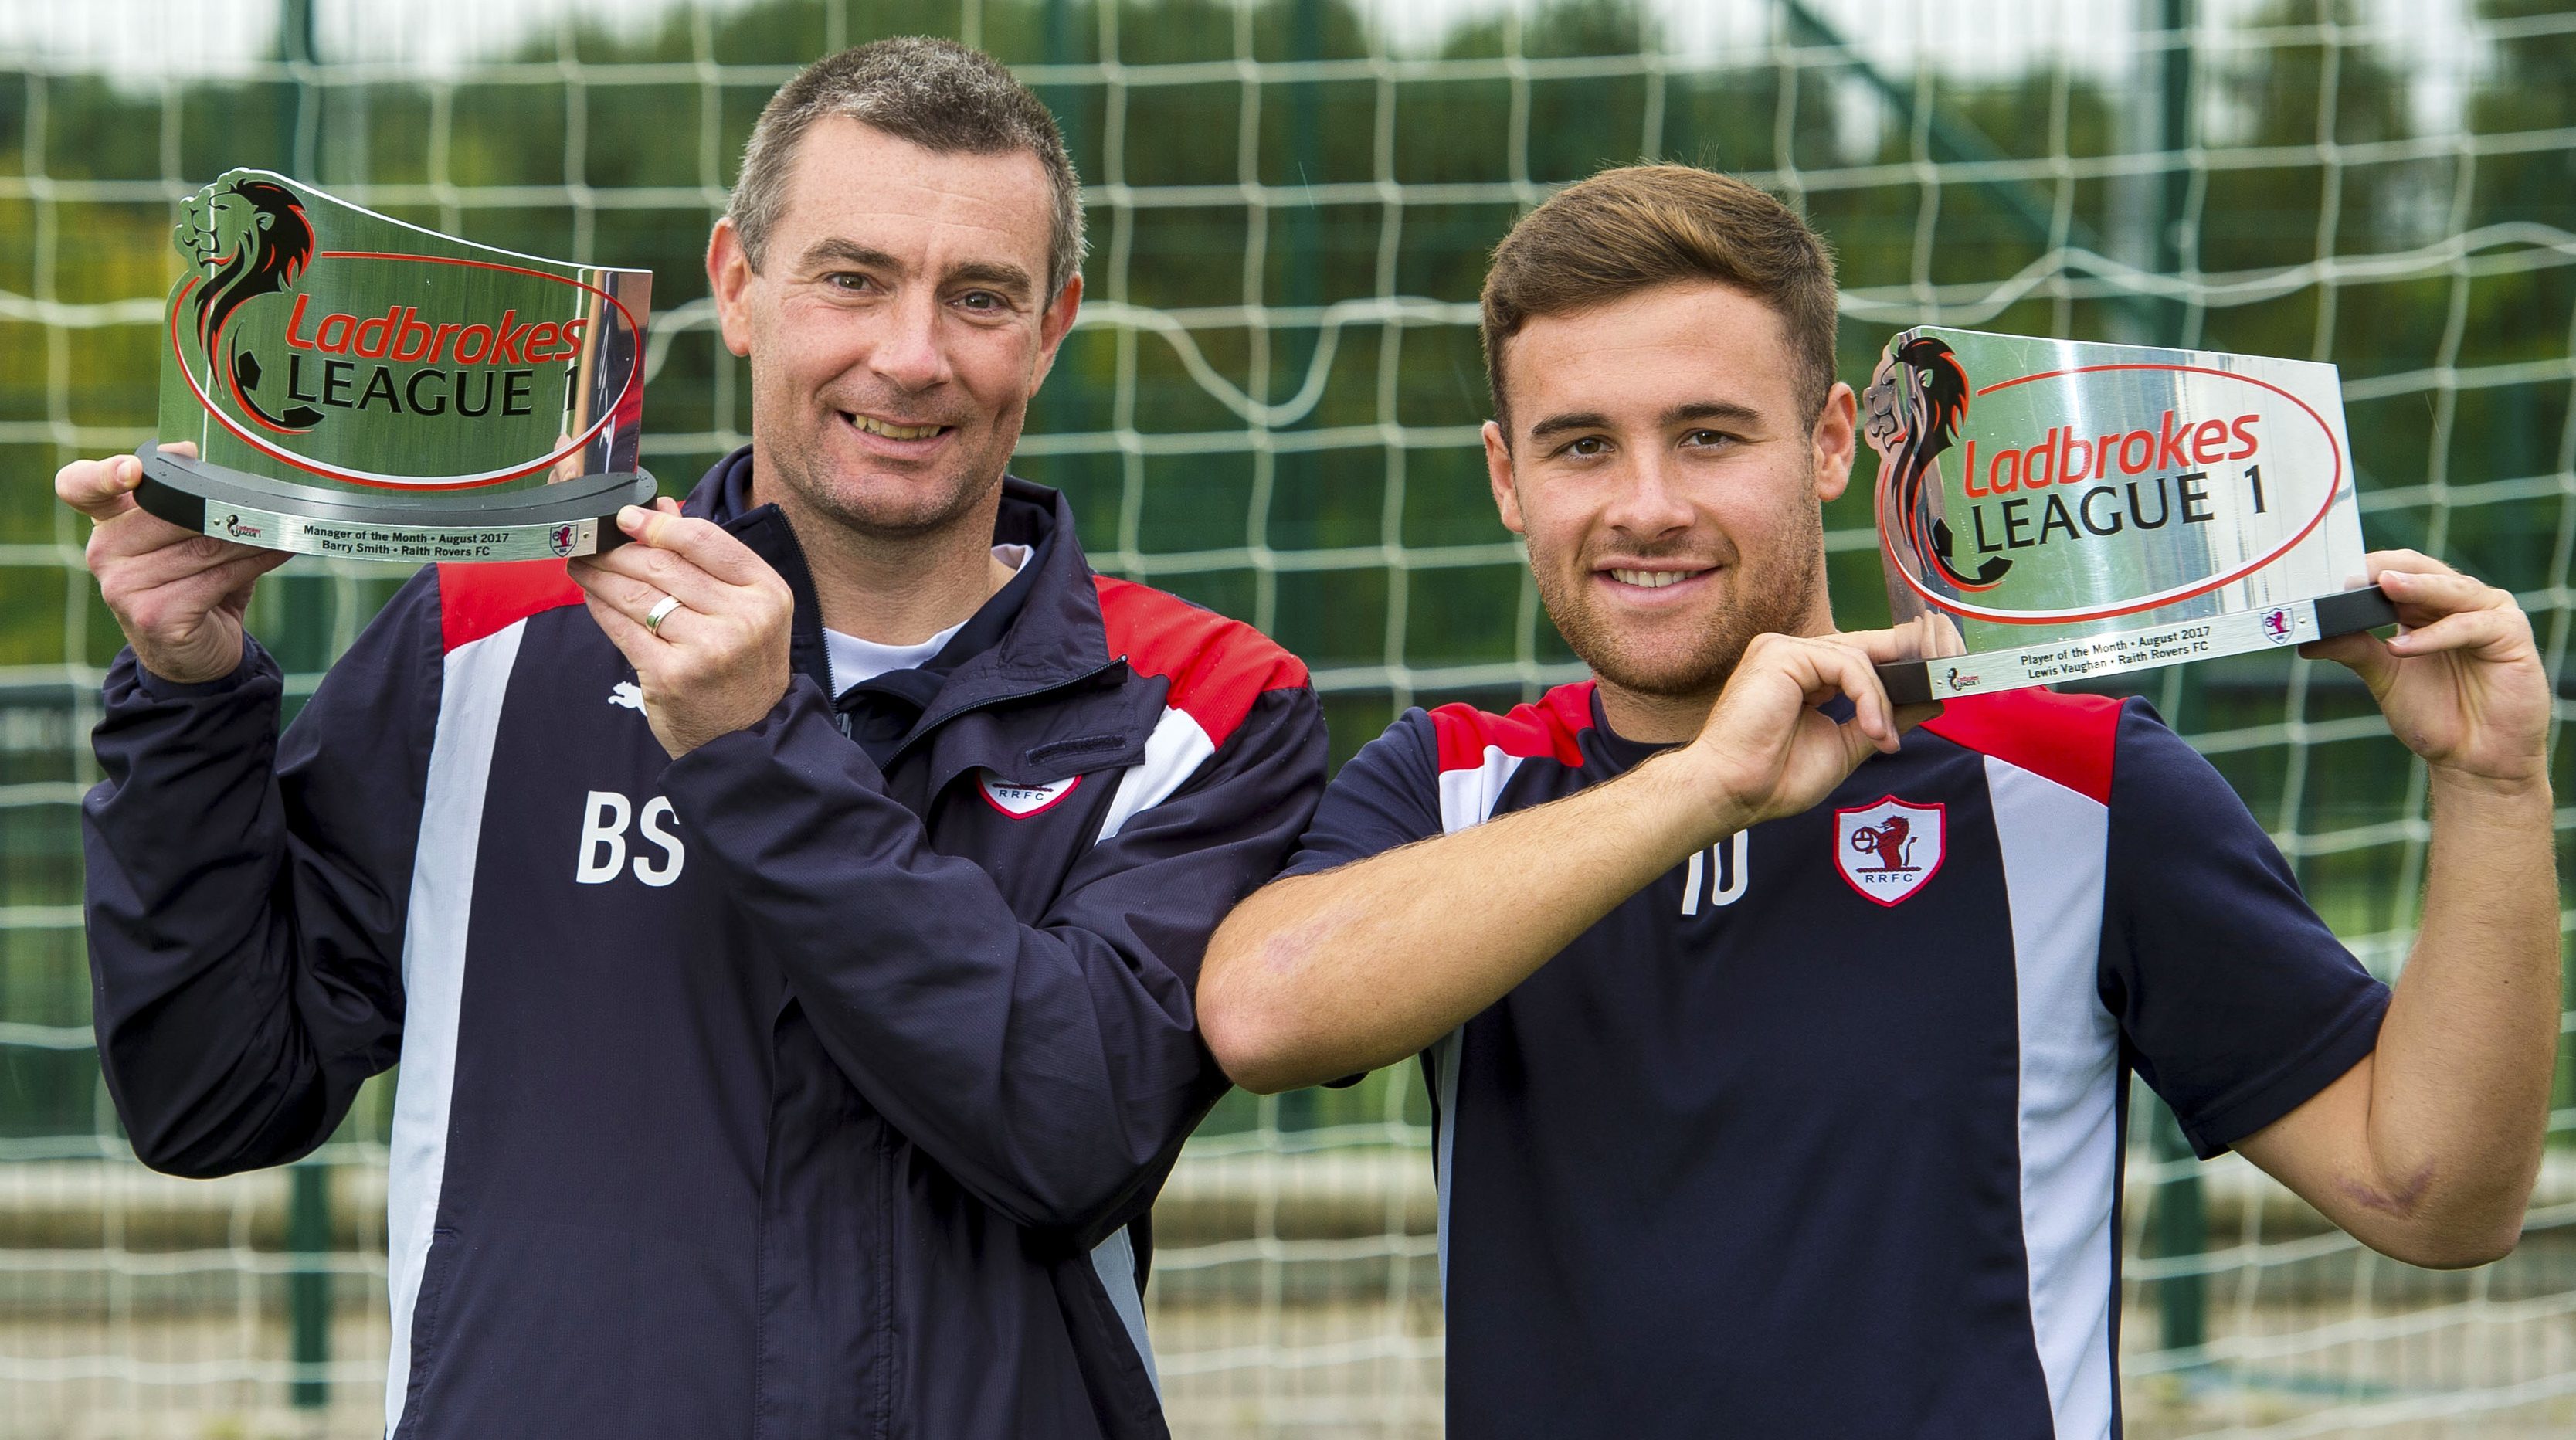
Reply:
x=2088 y=657
x=549 y=522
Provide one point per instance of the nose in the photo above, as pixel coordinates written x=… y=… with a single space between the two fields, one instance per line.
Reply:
x=909 y=352
x=1649 y=501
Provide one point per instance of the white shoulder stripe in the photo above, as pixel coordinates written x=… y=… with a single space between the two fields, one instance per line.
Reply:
x=433 y=966
x=1442 y=1063
x=1467 y=796
x=1173 y=753
x=2054 y=842
x=1467 y=799
x=1114 y=1261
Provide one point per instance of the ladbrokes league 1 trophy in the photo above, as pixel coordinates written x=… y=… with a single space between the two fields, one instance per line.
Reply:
x=2075 y=510
x=360 y=387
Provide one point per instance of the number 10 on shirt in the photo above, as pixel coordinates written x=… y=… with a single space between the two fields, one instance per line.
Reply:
x=1716 y=876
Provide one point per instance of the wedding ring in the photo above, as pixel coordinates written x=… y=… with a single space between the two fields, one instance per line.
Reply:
x=660 y=612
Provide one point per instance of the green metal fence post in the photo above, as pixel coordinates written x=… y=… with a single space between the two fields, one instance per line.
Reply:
x=2180 y=1221
x=308 y=1284
x=2173 y=123
x=297 y=122
x=1305 y=267
x=2181 y=1214
x=1064 y=99
x=1303 y=275
x=308 y=1204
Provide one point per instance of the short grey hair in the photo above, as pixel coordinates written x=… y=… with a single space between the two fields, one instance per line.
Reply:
x=935 y=93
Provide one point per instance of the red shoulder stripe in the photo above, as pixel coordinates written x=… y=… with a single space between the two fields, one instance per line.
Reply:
x=479 y=600
x=1217 y=667
x=2065 y=738
x=1548 y=730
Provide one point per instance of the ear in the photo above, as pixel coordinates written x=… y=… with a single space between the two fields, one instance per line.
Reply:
x=1054 y=324
x=262 y=220
x=1836 y=435
x=1498 y=473
x=729 y=277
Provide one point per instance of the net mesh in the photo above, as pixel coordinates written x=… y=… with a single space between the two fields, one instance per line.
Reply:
x=1270 y=406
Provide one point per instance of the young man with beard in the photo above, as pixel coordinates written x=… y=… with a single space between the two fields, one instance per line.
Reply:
x=785 y=922
x=1728 y=1144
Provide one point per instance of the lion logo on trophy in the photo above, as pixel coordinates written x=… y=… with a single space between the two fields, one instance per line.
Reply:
x=253 y=238
x=1915 y=404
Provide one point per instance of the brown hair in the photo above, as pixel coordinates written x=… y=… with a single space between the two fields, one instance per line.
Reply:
x=1638 y=226
x=935 y=93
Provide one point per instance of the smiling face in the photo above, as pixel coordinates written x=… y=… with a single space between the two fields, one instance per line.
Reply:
x=1668 y=483
x=896 y=328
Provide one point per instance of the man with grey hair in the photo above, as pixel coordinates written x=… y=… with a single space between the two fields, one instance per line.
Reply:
x=786 y=922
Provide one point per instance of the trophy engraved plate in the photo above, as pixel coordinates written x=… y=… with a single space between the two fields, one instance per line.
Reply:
x=2072 y=510
x=361 y=387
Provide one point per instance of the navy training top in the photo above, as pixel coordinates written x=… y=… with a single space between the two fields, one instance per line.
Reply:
x=1821 y=1133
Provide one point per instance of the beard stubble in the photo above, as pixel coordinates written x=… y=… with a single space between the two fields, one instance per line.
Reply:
x=1775 y=594
x=939 y=501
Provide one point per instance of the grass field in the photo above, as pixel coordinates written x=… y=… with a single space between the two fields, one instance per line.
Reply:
x=1293 y=1295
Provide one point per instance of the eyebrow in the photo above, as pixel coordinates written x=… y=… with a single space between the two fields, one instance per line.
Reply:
x=1577 y=420
x=1725 y=411
x=1000 y=275
x=848 y=253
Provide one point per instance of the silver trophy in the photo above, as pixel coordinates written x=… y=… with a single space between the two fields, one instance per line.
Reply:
x=2065 y=509
x=361 y=387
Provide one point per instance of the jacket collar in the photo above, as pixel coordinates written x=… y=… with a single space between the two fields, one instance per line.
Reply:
x=1056 y=640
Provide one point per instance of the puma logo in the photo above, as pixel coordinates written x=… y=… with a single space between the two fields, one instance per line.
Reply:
x=625 y=693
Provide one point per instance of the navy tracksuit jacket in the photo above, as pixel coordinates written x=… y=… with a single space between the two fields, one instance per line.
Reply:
x=764 y=1092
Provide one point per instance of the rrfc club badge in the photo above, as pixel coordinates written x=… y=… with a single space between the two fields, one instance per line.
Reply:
x=1888 y=850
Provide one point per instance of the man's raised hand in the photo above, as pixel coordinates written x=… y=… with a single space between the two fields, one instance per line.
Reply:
x=1768 y=751
x=2461 y=682
x=178 y=596
x=718 y=660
